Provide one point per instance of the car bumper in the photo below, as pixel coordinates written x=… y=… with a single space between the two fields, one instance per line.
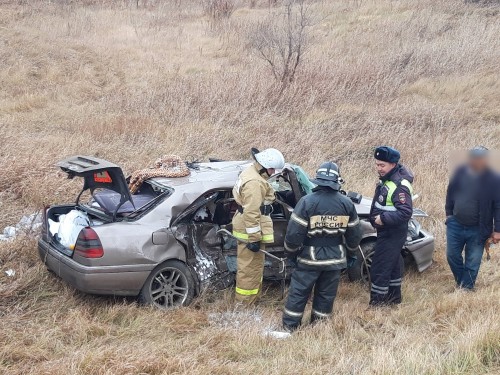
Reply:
x=422 y=250
x=108 y=280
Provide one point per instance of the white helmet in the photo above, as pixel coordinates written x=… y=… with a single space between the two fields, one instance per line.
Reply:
x=269 y=158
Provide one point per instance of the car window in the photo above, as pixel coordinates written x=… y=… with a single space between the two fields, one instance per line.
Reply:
x=108 y=200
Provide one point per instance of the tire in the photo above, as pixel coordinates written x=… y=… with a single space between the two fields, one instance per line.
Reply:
x=168 y=286
x=360 y=271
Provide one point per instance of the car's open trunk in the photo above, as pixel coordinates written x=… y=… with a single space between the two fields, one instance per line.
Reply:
x=53 y=217
x=100 y=210
x=110 y=199
x=97 y=174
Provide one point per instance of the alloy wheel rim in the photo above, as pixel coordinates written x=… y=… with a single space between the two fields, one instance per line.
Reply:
x=169 y=288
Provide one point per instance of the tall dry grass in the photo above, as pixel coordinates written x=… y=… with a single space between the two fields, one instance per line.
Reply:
x=129 y=83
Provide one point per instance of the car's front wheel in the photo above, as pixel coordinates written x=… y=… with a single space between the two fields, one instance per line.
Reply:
x=169 y=285
x=361 y=269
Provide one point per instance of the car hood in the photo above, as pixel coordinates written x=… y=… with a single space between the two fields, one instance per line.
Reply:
x=97 y=174
x=363 y=207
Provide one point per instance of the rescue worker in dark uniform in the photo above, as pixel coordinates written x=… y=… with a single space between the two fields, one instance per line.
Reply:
x=324 y=230
x=390 y=212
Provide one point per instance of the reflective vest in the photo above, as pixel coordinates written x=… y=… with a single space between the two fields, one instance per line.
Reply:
x=391 y=187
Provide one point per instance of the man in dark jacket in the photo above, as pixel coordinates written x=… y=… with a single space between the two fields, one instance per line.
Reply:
x=323 y=230
x=390 y=212
x=473 y=216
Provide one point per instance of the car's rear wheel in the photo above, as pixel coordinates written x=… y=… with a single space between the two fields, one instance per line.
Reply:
x=168 y=286
x=361 y=269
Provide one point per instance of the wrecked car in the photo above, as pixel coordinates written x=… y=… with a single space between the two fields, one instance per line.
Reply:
x=164 y=244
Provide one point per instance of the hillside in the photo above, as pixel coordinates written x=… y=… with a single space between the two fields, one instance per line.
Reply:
x=129 y=81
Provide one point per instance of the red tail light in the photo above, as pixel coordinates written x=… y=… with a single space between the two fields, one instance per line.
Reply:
x=88 y=244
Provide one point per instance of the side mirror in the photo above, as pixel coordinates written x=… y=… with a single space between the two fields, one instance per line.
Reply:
x=355 y=197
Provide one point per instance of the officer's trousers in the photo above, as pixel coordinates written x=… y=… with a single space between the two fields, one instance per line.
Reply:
x=387 y=264
x=325 y=284
x=249 y=274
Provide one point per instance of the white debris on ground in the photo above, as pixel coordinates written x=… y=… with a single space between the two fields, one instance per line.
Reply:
x=29 y=225
x=10 y=272
x=237 y=319
x=280 y=335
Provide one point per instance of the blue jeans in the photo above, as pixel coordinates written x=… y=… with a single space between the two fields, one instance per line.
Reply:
x=459 y=238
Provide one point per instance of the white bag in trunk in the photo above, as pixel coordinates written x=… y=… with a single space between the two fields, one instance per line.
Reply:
x=70 y=226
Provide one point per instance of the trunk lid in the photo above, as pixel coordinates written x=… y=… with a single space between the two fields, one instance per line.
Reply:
x=97 y=174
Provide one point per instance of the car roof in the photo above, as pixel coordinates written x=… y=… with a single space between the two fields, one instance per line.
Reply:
x=224 y=172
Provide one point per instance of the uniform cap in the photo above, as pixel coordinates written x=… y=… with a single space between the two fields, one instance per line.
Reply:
x=387 y=154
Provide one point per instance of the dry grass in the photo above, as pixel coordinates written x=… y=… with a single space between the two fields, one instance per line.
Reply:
x=128 y=84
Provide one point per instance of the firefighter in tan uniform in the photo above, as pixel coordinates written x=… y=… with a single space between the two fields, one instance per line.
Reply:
x=252 y=224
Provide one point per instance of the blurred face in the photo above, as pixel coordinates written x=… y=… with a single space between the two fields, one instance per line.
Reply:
x=383 y=167
x=478 y=164
x=271 y=171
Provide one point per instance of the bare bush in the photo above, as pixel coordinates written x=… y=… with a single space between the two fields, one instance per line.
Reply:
x=218 y=14
x=281 y=39
x=218 y=10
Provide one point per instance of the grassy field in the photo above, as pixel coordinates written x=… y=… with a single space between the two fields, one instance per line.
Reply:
x=131 y=81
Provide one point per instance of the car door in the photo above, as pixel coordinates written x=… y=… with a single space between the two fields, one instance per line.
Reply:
x=288 y=190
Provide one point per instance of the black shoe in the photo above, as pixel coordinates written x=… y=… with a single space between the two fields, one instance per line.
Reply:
x=395 y=301
x=289 y=329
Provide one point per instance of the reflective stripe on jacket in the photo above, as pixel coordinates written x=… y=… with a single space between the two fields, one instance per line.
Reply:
x=322 y=229
x=251 y=191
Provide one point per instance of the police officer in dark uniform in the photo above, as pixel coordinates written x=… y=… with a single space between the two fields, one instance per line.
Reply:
x=323 y=232
x=390 y=212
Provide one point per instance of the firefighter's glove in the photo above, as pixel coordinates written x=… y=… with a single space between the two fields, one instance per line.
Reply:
x=266 y=209
x=351 y=260
x=254 y=246
x=292 y=257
